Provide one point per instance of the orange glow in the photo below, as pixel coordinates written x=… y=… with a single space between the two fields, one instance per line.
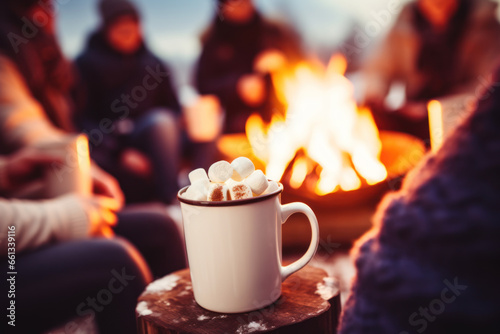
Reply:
x=82 y=148
x=83 y=159
x=337 y=64
x=435 y=124
x=299 y=173
x=323 y=120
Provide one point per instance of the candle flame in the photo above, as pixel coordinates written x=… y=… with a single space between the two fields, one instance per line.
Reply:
x=435 y=124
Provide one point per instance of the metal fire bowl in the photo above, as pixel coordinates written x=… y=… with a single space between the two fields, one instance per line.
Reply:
x=400 y=153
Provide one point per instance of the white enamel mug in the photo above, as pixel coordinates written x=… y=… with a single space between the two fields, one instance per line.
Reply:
x=234 y=250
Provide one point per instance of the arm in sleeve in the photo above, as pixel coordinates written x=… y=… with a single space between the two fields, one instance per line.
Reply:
x=40 y=222
x=22 y=119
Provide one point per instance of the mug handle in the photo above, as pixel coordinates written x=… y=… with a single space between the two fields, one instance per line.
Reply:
x=286 y=211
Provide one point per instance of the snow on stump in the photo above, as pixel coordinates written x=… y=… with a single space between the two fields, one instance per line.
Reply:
x=309 y=303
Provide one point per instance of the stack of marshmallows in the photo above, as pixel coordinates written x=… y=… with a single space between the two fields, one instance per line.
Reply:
x=228 y=181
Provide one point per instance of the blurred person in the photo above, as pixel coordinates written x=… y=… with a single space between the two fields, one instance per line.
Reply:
x=57 y=248
x=240 y=51
x=35 y=106
x=126 y=86
x=439 y=49
x=429 y=264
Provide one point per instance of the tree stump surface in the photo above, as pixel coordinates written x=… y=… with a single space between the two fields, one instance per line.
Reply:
x=309 y=303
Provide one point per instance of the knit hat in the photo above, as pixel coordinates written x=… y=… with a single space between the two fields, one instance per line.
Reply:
x=112 y=9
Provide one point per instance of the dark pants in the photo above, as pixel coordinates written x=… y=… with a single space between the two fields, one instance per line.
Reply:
x=157 y=135
x=98 y=278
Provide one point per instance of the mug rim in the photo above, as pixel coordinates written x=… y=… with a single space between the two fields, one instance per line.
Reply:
x=228 y=203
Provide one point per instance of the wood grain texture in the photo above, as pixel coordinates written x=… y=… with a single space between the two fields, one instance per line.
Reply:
x=309 y=303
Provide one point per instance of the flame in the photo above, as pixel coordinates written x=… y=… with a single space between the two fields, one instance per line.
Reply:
x=299 y=173
x=323 y=120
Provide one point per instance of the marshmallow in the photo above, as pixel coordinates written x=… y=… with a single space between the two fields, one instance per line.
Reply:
x=220 y=172
x=217 y=192
x=273 y=186
x=240 y=190
x=197 y=191
x=199 y=175
x=242 y=167
x=229 y=183
x=257 y=182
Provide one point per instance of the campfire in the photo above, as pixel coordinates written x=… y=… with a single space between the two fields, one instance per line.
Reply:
x=324 y=143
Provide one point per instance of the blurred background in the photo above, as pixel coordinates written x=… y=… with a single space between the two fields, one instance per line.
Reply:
x=338 y=137
x=172 y=28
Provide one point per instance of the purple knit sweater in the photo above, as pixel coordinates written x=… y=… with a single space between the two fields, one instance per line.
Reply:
x=432 y=261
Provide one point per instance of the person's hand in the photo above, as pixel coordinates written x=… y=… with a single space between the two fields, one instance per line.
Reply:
x=101 y=213
x=252 y=89
x=27 y=165
x=269 y=61
x=416 y=111
x=106 y=185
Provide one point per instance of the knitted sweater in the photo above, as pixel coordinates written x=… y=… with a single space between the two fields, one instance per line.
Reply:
x=36 y=223
x=431 y=261
x=23 y=122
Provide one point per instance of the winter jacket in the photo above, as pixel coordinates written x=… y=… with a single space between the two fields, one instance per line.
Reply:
x=452 y=66
x=116 y=86
x=229 y=52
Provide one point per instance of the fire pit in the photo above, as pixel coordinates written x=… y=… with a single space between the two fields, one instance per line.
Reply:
x=326 y=150
x=343 y=216
x=400 y=152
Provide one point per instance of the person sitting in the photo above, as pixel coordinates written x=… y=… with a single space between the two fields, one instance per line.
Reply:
x=430 y=262
x=36 y=106
x=64 y=263
x=240 y=50
x=128 y=106
x=439 y=49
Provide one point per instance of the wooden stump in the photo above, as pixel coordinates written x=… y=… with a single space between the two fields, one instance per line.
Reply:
x=310 y=303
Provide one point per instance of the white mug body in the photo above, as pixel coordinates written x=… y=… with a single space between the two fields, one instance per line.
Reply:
x=234 y=252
